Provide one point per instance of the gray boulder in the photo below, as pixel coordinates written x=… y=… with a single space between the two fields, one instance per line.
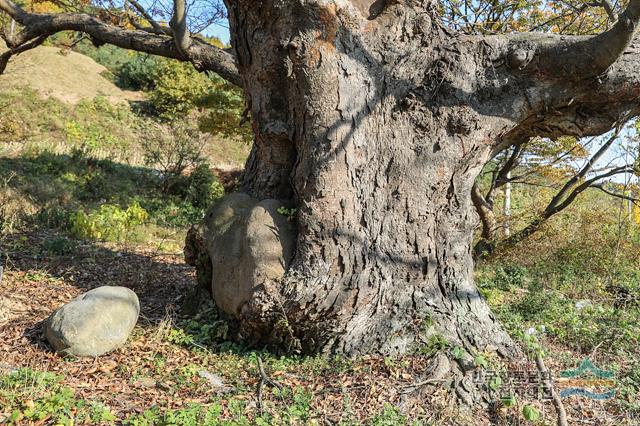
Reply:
x=94 y=323
x=245 y=242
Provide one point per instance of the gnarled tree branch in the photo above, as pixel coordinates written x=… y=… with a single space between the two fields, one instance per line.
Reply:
x=625 y=197
x=178 y=24
x=556 y=207
x=609 y=7
x=573 y=57
x=156 y=28
x=203 y=56
x=590 y=107
x=586 y=169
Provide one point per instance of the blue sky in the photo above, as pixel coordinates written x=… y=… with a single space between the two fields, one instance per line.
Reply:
x=220 y=30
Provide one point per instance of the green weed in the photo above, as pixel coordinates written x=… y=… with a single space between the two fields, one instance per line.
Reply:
x=37 y=396
x=109 y=222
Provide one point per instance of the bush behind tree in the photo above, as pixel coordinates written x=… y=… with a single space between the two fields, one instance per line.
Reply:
x=176 y=151
x=177 y=90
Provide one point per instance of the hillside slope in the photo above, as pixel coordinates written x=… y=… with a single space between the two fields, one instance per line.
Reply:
x=68 y=76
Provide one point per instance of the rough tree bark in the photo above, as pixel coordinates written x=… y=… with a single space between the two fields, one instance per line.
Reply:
x=375 y=123
x=366 y=123
x=373 y=120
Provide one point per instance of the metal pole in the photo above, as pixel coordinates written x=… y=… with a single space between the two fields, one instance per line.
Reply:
x=507 y=206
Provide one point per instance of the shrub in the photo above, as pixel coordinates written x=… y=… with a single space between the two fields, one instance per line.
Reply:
x=169 y=213
x=109 y=222
x=224 y=105
x=11 y=128
x=38 y=397
x=137 y=73
x=510 y=276
x=390 y=416
x=434 y=344
x=109 y=56
x=201 y=187
x=52 y=217
x=172 y=150
x=176 y=89
x=58 y=246
x=89 y=140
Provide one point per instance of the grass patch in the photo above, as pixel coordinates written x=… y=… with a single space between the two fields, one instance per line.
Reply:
x=38 y=396
x=99 y=199
x=534 y=297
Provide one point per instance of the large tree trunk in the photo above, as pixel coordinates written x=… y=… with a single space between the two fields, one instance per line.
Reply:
x=372 y=139
x=373 y=120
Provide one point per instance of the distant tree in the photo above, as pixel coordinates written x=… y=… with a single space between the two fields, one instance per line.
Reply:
x=565 y=165
x=504 y=16
x=543 y=162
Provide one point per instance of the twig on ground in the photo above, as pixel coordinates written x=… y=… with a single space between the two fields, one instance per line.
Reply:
x=264 y=379
x=555 y=398
x=413 y=387
x=593 y=352
x=1 y=273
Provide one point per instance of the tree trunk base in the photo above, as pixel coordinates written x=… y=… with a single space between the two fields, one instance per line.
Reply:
x=243 y=254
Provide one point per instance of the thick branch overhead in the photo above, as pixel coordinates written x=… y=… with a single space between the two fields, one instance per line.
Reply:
x=573 y=57
x=205 y=57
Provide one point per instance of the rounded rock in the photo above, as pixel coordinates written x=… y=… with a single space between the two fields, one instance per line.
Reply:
x=94 y=323
x=248 y=242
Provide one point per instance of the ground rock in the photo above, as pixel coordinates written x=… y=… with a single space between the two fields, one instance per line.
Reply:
x=247 y=242
x=94 y=323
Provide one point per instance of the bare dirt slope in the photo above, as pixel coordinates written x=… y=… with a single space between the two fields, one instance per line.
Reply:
x=65 y=75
